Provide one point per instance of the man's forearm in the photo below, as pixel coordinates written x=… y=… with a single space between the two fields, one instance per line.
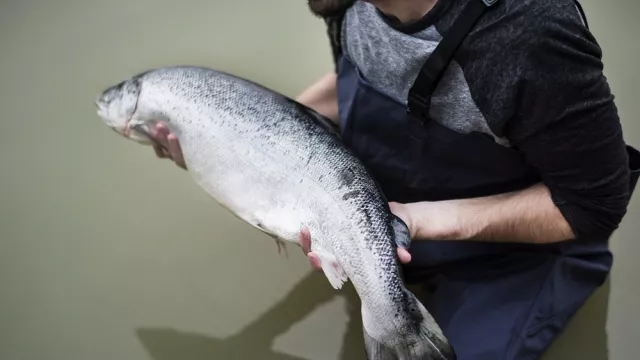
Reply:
x=322 y=97
x=524 y=216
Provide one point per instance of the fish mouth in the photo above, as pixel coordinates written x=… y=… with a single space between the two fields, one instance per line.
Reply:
x=101 y=111
x=98 y=102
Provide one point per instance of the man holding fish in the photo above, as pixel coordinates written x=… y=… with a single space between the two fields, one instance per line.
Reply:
x=494 y=135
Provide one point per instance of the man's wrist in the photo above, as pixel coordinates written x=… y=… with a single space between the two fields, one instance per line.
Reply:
x=526 y=216
x=471 y=218
x=441 y=220
x=467 y=219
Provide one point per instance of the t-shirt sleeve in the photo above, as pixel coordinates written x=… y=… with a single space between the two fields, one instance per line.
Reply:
x=567 y=126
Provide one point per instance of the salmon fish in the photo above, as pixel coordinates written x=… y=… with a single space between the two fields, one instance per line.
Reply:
x=278 y=165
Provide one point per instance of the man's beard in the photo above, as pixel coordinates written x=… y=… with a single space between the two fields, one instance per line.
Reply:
x=328 y=8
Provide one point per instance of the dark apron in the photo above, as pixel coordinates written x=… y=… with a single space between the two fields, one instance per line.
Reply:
x=493 y=300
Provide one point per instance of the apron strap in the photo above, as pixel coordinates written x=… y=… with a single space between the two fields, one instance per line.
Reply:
x=432 y=71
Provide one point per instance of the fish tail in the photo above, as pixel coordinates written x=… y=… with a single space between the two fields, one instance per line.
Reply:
x=417 y=338
x=376 y=350
x=427 y=342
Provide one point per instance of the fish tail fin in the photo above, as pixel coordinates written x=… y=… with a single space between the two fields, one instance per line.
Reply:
x=417 y=338
x=428 y=341
x=376 y=350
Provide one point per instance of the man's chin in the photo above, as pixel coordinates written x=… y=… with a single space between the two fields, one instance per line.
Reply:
x=328 y=8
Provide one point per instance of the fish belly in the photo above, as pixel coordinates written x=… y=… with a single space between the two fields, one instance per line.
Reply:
x=271 y=167
x=265 y=191
x=265 y=188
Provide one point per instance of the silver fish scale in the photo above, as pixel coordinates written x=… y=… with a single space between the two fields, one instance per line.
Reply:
x=227 y=122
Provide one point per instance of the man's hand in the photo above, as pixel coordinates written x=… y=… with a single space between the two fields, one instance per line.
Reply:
x=161 y=134
x=527 y=216
x=403 y=254
x=440 y=220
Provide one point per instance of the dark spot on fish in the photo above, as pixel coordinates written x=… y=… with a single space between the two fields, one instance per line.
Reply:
x=350 y=195
x=367 y=217
x=347 y=176
x=309 y=159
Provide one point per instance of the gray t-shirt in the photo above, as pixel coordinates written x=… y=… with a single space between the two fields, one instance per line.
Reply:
x=390 y=60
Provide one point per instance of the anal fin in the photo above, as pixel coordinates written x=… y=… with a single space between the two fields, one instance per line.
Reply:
x=331 y=268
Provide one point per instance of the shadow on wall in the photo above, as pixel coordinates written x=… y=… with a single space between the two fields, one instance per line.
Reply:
x=585 y=338
x=255 y=340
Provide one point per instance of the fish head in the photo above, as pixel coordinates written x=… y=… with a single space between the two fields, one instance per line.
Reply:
x=116 y=107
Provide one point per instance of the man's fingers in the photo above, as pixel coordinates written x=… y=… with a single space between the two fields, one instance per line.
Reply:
x=314 y=260
x=305 y=240
x=159 y=151
x=305 y=244
x=176 y=151
x=404 y=256
x=159 y=133
x=162 y=130
x=154 y=132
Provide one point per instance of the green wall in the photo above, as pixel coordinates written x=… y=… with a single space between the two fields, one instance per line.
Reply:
x=107 y=252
